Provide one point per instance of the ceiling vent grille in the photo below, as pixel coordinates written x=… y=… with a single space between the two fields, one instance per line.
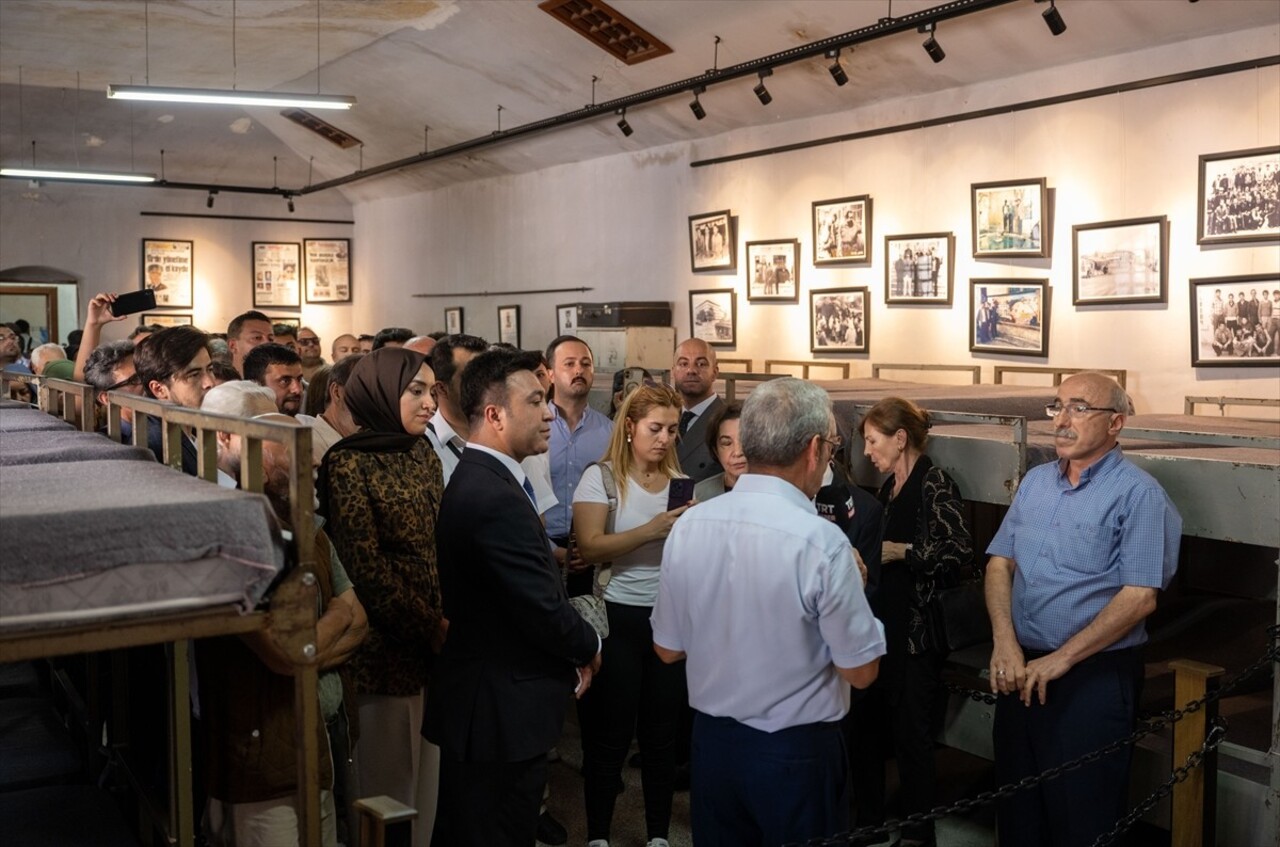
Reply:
x=607 y=28
x=322 y=128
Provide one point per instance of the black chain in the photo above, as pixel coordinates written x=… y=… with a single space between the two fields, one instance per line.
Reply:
x=1160 y=721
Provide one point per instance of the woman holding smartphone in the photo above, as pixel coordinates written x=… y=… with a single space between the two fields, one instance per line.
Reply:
x=622 y=513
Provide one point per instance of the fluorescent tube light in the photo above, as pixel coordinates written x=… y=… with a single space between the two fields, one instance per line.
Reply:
x=281 y=99
x=77 y=176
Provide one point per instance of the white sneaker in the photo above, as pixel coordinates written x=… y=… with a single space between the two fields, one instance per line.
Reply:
x=597 y=842
x=658 y=842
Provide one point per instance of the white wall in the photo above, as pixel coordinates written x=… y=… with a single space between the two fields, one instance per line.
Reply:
x=619 y=225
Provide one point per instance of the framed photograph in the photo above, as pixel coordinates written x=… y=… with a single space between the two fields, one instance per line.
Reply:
x=453 y=320
x=839 y=320
x=1009 y=316
x=566 y=319
x=773 y=271
x=509 y=325
x=1235 y=322
x=328 y=269
x=842 y=231
x=713 y=243
x=276 y=267
x=713 y=316
x=1238 y=197
x=166 y=321
x=919 y=268
x=290 y=320
x=167 y=268
x=1120 y=262
x=1009 y=219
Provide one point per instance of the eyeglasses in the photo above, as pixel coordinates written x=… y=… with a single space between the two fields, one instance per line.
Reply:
x=835 y=441
x=308 y=342
x=1075 y=410
x=125 y=383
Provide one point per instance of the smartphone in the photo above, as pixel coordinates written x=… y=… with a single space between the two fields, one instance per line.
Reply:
x=680 y=493
x=132 y=302
x=632 y=379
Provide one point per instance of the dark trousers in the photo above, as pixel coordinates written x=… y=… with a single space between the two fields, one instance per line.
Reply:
x=761 y=789
x=489 y=804
x=1092 y=705
x=634 y=693
x=896 y=717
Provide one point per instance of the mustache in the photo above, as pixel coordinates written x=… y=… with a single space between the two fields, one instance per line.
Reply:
x=1063 y=433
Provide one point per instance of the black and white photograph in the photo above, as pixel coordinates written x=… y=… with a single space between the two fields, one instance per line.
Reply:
x=842 y=231
x=840 y=320
x=1009 y=218
x=566 y=319
x=1120 y=262
x=713 y=316
x=453 y=320
x=166 y=321
x=773 y=271
x=1239 y=197
x=509 y=325
x=713 y=247
x=1009 y=316
x=1235 y=321
x=289 y=320
x=919 y=268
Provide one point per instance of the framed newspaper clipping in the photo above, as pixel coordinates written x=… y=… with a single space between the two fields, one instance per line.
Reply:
x=328 y=269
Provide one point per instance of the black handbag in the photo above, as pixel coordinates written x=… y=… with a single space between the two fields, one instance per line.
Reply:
x=958 y=616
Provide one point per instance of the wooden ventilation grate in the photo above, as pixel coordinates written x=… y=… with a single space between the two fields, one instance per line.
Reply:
x=607 y=28
x=322 y=128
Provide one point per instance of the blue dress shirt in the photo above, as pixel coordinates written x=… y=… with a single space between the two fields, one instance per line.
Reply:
x=571 y=452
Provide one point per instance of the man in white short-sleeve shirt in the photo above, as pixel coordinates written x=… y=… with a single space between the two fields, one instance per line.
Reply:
x=764 y=599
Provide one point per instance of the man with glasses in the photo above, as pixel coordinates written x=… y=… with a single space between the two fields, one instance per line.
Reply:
x=764 y=599
x=110 y=368
x=309 y=350
x=1075 y=569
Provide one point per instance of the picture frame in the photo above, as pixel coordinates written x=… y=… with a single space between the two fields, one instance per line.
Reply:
x=840 y=320
x=566 y=319
x=168 y=267
x=453 y=320
x=713 y=316
x=1209 y=348
x=509 y=325
x=1231 y=206
x=1009 y=219
x=290 y=320
x=1009 y=316
x=920 y=268
x=328 y=269
x=165 y=320
x=713 y=242
x=1123 y=261
x=276 y=266
x=842 y=231
x=773 y=271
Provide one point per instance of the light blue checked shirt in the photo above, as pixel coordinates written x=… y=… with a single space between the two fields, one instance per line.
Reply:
x=1075 y=547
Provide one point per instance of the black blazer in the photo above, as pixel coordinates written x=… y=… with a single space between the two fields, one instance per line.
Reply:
x=500 y=687
x=695 y=459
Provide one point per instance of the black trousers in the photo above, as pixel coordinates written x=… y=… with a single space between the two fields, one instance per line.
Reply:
x=896 y=716
x=635 y=693
x=1092 y=705
x=489 y=804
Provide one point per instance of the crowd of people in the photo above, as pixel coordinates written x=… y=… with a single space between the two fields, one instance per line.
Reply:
x=767 y=633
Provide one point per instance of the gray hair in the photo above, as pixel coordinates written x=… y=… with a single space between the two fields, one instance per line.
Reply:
x=779 y=419
x=239 y=398
x=44 y=354
x=105 y=358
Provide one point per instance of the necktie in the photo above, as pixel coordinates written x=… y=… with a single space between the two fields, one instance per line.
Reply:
x=686 y=418
x=528 y=489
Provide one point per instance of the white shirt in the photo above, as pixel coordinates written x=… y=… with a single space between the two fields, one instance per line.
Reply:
x=323 y=436
x=765 y=599
x=538 y=468
x=635 y=574
x=447 y=444
x=699 y=409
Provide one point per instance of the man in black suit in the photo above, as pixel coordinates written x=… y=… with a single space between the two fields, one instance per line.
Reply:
x=693 y=374
x=515 y=648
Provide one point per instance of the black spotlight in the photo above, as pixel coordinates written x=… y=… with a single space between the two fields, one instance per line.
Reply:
x=209 y=201
x=290 y=205
x=836 y=70
x=761 y=92
x=623 y=125
x=931 y=45
x=1053 y=20
x=696 y=106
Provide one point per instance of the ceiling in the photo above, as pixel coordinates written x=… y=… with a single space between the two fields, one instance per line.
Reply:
x=448 y=64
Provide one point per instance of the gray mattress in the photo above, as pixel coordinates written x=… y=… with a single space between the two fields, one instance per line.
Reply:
x=7 y=403
x=30 y=420
x=37 y=448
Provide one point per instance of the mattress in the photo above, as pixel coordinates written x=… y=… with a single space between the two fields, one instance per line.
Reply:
x=7 y=403
x=37 y=448
x=155 y=541
x=27 y=419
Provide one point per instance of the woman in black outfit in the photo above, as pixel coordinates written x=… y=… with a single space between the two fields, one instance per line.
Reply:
x=926 y=544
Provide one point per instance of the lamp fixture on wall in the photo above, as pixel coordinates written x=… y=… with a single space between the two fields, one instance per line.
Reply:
x=1053 y=19
x=762 y=93
x=931 y=45
x=289 y=201
x=75 y=176
x=836 y=69
x=696 y=105
x=622 y=123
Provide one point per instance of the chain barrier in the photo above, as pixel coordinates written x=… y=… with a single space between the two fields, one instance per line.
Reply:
x=867 y=834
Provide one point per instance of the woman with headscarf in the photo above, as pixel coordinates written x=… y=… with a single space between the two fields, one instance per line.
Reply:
x=381 y=488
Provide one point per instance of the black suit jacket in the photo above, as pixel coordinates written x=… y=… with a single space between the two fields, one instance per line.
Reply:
x=695 y=459
x=500 y=687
